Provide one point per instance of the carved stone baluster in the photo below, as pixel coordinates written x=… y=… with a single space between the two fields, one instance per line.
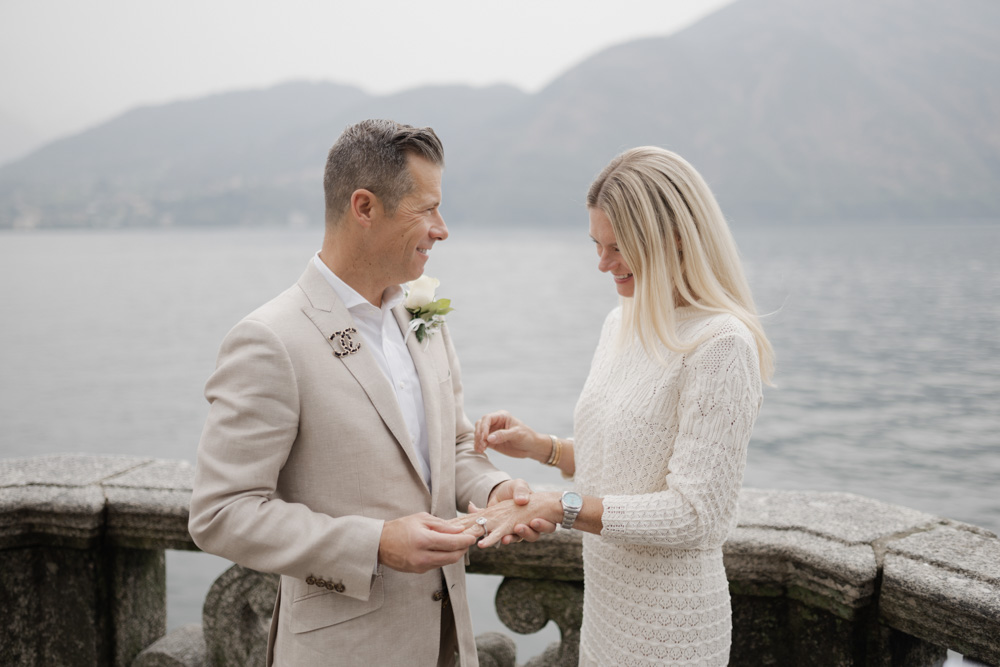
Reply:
x=496 y=649
x=237 y=617
x=526 y=605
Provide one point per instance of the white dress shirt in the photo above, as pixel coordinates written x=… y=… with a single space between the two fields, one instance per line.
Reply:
x=382 y=336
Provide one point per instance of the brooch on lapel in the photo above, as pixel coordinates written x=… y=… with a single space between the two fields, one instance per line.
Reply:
x=347 y=344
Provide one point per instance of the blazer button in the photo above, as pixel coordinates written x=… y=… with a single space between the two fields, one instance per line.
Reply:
x=339 y=587
x=321 y=583
x=330 y=586
x=439 y=595
x=310 y=580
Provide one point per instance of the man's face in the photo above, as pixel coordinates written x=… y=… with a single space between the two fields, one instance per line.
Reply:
x=403 y=241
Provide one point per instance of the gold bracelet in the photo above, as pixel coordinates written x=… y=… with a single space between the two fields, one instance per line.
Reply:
x=556 y=451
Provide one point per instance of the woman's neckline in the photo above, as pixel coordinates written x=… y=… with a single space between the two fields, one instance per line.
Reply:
x=688 y=312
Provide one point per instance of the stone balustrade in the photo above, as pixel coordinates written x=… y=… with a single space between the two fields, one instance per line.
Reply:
x=816 y=578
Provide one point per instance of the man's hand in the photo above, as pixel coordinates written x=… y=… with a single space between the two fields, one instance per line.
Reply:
x=422 y=542
x=513 y=489
x=518 y=491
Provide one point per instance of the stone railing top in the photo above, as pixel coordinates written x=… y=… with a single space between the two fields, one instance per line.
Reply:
x=828 y=549
x=941 y=578
x=945 y=584
x=75 y=500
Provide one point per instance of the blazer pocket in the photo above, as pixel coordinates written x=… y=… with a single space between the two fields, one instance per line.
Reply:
x=326 y=608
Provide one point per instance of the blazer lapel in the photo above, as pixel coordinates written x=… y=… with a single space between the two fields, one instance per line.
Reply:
x=330 y=316
x=429 y=387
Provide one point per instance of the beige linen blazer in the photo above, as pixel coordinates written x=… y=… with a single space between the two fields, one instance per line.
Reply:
x=305 y=454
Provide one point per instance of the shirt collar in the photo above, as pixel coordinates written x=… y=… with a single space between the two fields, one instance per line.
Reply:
x=391 y=297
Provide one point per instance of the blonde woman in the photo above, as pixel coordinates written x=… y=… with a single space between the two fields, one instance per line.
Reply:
x=661 y=428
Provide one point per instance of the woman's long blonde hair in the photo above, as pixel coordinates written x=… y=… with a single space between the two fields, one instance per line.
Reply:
x=671 y=233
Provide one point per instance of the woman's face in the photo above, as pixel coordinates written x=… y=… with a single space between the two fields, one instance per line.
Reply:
x=611 y=260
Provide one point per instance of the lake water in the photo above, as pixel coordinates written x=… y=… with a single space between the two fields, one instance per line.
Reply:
x=887 y=341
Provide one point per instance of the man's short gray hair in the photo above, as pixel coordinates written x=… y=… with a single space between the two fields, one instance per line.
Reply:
x=372 y=155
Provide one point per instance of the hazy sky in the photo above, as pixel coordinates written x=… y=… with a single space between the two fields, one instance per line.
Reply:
x=67 y=64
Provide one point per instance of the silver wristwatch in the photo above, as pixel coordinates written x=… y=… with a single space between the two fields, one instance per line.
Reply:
x=572 y=503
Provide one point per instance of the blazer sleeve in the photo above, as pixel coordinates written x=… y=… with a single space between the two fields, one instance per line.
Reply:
x=475 y=475
x=235 y=511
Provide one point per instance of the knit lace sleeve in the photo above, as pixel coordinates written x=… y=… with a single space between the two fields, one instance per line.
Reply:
x=719 y=399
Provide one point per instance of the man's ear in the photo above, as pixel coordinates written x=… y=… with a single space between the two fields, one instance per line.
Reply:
x=364 y=206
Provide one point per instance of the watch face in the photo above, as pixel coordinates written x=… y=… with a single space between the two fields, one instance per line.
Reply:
x=572 y=499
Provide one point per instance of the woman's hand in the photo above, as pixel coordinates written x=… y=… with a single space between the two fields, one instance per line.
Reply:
x=507 y=521
x=511 y=437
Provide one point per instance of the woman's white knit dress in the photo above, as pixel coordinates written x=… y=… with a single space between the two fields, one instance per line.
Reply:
x=665 y=446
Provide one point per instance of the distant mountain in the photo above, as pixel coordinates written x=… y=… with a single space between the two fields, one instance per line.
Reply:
x=793 y=111
x=17 y=138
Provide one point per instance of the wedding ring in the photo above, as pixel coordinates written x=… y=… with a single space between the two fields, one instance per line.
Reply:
x=482 y=522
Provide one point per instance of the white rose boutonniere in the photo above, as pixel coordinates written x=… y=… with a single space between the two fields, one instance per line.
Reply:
x=427 y=313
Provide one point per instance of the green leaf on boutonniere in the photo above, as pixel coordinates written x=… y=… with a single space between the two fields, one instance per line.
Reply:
x=439 y=307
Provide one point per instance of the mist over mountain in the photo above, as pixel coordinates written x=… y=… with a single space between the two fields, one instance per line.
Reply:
x=17 y=138
x=794 y=112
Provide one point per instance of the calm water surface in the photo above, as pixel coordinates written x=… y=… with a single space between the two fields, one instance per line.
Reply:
x=887 y=341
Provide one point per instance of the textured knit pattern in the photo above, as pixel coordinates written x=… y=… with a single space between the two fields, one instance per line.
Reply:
x=665 y=446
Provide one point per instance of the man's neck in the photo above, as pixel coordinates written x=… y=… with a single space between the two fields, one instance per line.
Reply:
x=356 y=274
x=353 y=270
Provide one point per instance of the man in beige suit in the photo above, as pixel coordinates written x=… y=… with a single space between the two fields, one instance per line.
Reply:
x=336 y=447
